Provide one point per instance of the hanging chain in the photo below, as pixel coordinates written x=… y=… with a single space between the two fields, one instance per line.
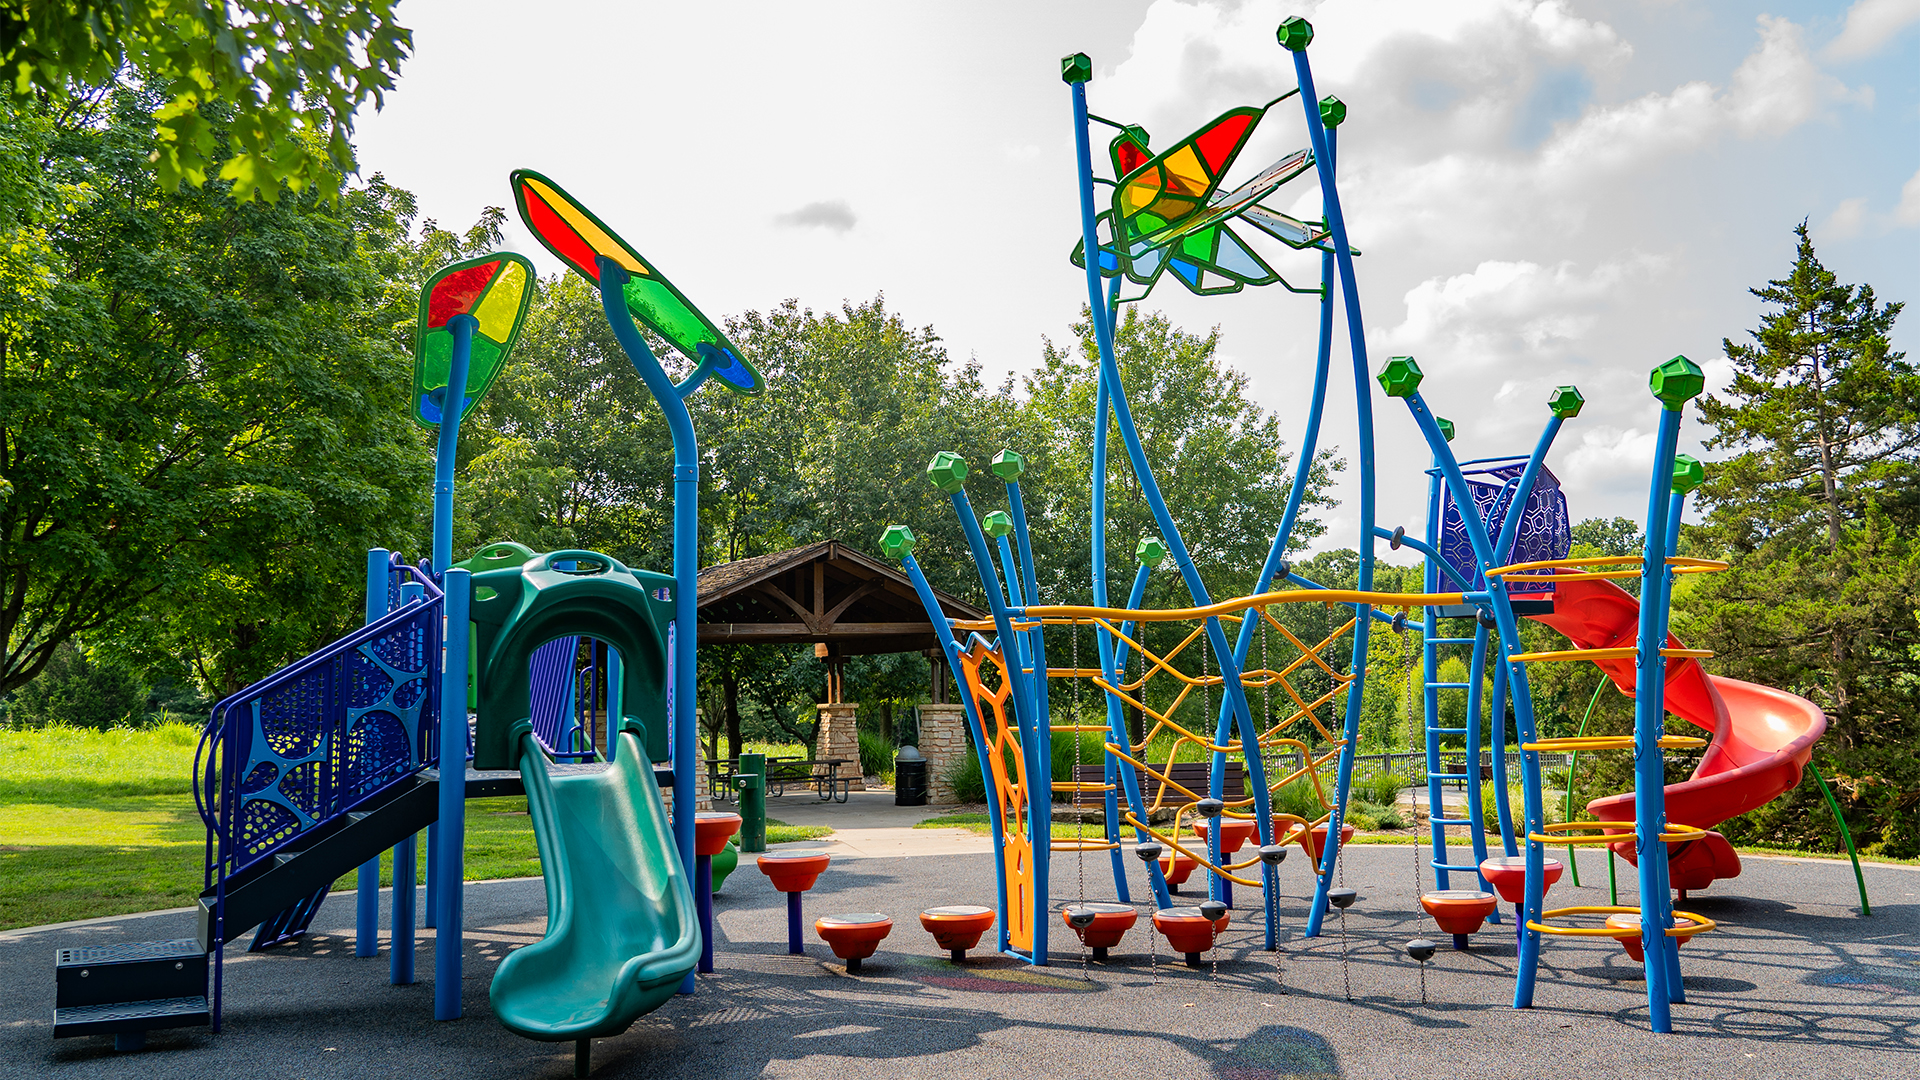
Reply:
x=1346 y=974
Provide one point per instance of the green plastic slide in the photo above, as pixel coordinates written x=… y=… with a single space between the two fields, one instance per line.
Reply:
x=621 y=930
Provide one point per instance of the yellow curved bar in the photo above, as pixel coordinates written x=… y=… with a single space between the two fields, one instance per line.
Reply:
x=1675 y=834
x=1616 y=652
x=1681 y=561
x=1696 y=924
x=1238 y=604
x=1083 y=845
x=1613 y=742
x=1177 y=846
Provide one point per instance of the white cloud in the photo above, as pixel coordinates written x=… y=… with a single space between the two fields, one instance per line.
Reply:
x=1908 y=212
x=1610 y=461
x=1871 y=24
x=1846 y=219
x=1503 y=313
x=1778 y=87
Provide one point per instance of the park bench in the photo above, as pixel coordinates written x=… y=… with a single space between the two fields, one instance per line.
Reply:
x=1192 y=775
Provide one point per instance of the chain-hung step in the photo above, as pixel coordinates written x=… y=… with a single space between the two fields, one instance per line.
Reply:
x=129 y=989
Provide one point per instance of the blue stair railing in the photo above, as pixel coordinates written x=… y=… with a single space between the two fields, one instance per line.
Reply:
x=310 y=743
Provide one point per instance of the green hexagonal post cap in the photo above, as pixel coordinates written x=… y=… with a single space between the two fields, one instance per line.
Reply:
x=1677 y=382
x=1566 y=401
x=1446 y=427
x=897 y=542
x=1151 y=551
x=1077 y=68
x=997 y=524
x=1008 y=465
x=1400 y=377
x=948 y=471
x=1332 y=111
x=1295 y=33
x=1688 y=473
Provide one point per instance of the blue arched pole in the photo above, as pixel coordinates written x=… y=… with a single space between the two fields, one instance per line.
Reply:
x=447 y=839
x=1363 y=401
x=686 y=557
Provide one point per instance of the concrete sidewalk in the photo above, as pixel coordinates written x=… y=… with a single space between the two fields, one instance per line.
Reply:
x=869 y=826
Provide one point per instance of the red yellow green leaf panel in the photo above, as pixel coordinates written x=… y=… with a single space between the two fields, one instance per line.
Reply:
x=495 y=290
x=1177 y=181
x=579 y=239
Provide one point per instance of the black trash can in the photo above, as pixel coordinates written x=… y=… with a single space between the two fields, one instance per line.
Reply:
x=909 y=777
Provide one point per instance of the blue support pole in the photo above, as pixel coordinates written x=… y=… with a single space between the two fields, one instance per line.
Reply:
x=686 y=553
x=366 y=900
x=1649 y=724
x=452 y=411
x=449 y=942
x=1363 y=399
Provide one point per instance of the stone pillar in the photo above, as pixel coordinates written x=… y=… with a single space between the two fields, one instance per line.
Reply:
x=943 y=742
x=838 y=738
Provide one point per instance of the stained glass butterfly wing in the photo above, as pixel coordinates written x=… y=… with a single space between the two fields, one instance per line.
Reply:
x=495 y=289
x=1176 y=184
x=578 y=238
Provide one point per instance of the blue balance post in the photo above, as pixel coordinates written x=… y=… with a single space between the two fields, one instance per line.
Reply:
x=794 y=945
x=366 y=901
x=448 y=946
x=703 y=896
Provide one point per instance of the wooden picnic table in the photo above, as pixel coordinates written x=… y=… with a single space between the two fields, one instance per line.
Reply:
x=821 y=774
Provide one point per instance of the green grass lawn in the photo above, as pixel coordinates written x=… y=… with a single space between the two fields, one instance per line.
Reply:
x=99 y=823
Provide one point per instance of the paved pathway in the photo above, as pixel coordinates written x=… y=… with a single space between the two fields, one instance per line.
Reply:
x=869 y=826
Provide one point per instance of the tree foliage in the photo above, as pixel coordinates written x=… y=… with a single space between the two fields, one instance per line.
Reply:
x=292 y=74
x=201 y=410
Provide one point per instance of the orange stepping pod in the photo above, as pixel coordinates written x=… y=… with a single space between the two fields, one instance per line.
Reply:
x=1106 y=924
x=1459 y=911
x=1313 y=840
x=957 y=929
x=1178 y=867
x=1508 y=875
x=1188 y=932
x=793 y=873
x=1234 y=832
x=853 y=938
x=1628 y=920
x=711 y=831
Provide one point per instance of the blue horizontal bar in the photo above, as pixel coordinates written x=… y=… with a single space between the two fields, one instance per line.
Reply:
x=1446 y=776
x=1451 y=820
x=1446 y=731
x=1449 y=641
x=1454 y=867
x=1448 y=685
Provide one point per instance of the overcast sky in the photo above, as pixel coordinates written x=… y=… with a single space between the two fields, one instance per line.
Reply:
x=1545 y=193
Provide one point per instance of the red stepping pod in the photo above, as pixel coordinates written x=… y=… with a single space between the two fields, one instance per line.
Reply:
x=793 y=871
x=1628 y=920
x=1187 y=931
x=1508 y=875
x=957 y=929
x=853 y=938
x=1178 y=867
x=1459 y=911
x=1315 y=839
x=1234 y=832
x=1110 y=923
x=711 y=831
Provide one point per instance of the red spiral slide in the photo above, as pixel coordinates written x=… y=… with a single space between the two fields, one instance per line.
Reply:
x=1760 y=738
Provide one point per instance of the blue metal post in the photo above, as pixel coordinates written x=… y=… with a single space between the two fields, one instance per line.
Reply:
x=1649 y=724
x=686 y=549
x=452 y=411
x=1363 y=400
x=366 y=901
x=450 y=942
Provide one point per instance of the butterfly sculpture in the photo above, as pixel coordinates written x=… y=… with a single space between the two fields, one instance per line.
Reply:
x=579 y=239
x=1169 y=212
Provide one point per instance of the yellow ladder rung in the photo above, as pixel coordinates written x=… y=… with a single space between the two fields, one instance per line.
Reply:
x=1075 y=785
x=1080 y=727
x=1083 y=845
x=1618 y=652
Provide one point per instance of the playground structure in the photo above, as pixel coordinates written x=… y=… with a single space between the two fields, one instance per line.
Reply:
x=356 y=749
x=1496 y=551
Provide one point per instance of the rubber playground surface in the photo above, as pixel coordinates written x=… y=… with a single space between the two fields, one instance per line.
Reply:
x=1794 y=984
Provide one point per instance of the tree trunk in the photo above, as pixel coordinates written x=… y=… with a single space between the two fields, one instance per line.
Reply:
x=886 y=719
x=730 y=691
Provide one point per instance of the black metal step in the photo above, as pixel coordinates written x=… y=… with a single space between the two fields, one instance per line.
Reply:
x=271 y=886
x=114 y=1019
x=130 y=971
